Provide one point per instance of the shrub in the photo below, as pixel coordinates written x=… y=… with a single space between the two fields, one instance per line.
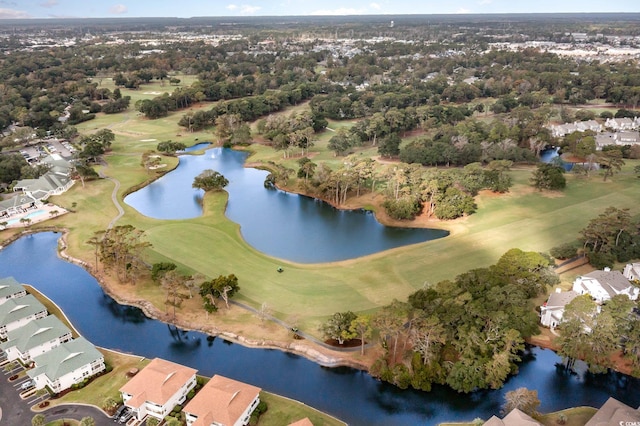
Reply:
x=601 y=260
x=403 y=208
x=564 y=251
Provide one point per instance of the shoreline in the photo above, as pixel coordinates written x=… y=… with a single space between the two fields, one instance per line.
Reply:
x=305 y=348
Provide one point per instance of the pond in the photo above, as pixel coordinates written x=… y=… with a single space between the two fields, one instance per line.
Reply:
x=287 y=226
x=348 y=394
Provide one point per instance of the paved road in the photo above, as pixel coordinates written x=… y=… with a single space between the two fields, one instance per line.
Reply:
x=15 y=411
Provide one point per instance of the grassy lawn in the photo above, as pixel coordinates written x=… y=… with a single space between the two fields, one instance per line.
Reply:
x=105 y=386
x=577 y=416
x=283 y=411
x=212 y=245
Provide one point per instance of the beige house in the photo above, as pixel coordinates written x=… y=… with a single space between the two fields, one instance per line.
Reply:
x=222 y=402
x=514 y=418
x=614 y=412
x=158 y=388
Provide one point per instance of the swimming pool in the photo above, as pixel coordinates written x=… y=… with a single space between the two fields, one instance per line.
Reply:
x=29 y=216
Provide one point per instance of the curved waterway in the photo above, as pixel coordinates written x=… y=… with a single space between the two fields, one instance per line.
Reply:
x=280 y=224
x=351 y=395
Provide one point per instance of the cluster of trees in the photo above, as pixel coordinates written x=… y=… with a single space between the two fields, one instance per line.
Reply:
x=408 y=188
x=121 y=249
x=223 y=287
x=295 y=131
x=613 y=236
x=210 y=180
x=344 y=326
x=593 y=333
x=549 y=176
x=467 y=333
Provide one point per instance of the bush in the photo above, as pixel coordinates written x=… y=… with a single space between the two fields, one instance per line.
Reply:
x=403 y=208
x=564 y=251
x=261 y=408
x=601 y=260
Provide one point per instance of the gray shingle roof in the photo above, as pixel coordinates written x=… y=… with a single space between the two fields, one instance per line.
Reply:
x=9 y=286
x=65 y=359
x=35 y=333
x=16 y=309
x=612 y=281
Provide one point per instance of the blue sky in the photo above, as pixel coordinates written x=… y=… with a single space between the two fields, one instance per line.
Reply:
x=189 y=8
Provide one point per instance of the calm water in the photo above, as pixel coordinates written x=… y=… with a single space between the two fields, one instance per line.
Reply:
x=348 y=394
x=283 y=225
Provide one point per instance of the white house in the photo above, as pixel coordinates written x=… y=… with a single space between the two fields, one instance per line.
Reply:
x=622 y=123
x=14 y=313
x=552 y=311
x=632 y=271
x=222 y=402
x=35 y=338
x=10 y=289
x=65 y=365
x=55 y=182
x=603 y=285
x=158 y=388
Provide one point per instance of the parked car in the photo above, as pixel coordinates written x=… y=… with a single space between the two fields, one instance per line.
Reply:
x=124 y=418
x=27 y=385
x=118 y=412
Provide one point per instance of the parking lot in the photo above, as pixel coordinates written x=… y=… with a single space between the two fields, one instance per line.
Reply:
x=16 y=401
x=34 y=153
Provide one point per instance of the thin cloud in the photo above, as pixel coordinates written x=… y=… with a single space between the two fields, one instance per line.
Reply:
x=118 y=9
x=483 y=2
x=339 y=11
x=49 y=3
x=13 y=14
x=375 y=6
x=249 y=10
x=463 y=11
x=232 y=7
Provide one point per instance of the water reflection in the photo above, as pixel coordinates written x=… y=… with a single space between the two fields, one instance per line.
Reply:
x=283 y=225
x=348 y=394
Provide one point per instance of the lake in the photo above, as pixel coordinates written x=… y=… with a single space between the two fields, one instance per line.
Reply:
x=283 y=225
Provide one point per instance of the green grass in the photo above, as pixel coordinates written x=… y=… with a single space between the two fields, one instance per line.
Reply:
x=283 y=411
x=107 y=385
x=212 y=245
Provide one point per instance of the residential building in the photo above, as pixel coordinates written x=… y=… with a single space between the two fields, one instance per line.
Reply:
x=632 y=271
x=222 y=402
x=55 y=182
x=627 y=137
x=605 y=139
x=614 y=412
x=15 y=313
x=35 y=338
x=552 y=311
x=158 y=388
x=65 y=365
x=514 y=418
x=622 y=123
x=10 y=289
x=560 y=130
x=603 y=285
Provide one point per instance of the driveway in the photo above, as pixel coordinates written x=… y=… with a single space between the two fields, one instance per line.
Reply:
x=16 y=411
